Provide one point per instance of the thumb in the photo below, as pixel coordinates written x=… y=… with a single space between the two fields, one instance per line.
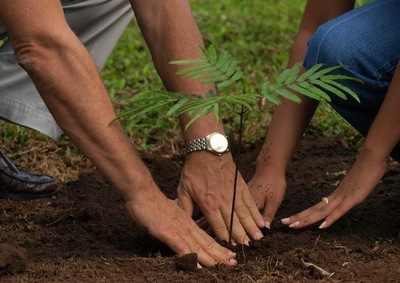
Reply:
x=269 y=212
x=186 y=203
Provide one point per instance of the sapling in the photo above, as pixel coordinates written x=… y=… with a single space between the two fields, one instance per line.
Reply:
x=221 y=69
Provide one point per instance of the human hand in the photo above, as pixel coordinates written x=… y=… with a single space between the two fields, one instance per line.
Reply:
x=268 y=190
x=208 y=181
x=167 y=222
x=365 y=174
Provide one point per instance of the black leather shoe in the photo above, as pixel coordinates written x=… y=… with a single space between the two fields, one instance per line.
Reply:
x=16 y=183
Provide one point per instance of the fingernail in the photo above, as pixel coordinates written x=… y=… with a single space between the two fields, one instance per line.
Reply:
x=322 y=225
x=287 y=219
x=246 y=242
x=231 y=254
x=267 y=225
x=294 y=224
x=199 y=266
x=233 y=261
x=258 y=236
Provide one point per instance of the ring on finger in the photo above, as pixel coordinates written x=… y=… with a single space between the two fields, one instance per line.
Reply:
x=325 y=200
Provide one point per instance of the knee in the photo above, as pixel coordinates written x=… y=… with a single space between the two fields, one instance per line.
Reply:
x=331 y=46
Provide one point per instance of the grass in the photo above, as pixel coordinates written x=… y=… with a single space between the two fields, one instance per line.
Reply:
x=258 y=33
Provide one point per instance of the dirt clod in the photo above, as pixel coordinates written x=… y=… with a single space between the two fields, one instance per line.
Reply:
x=12 y=259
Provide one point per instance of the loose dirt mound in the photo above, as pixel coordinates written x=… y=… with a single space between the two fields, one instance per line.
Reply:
x=84 y=234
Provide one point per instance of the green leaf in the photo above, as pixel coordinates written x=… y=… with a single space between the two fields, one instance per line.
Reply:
x=236 y=76
x=293 y=73
x=222 y=60
x=322 y=72
x=343 y=88
x=288 y=95
x=331 y=89
x=231 y=69
x=204 y=111
x=309 y=72
x=224 y=84
x=212 y=55
x=304 y=91
x=172 y=111
x=186 y=62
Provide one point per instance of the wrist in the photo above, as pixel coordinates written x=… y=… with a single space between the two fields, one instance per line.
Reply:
x=137 y=185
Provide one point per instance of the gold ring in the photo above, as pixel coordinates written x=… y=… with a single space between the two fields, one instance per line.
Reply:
x=325 y=200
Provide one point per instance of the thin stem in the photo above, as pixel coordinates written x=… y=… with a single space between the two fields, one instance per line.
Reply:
x=237 y=159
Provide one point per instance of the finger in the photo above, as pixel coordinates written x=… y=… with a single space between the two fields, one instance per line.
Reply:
x=208 y=251
x=208 y=248
x=186 y=203
x=247 y=221
x=253 y=209
x=309 y=216
x=269 y=214
x=218 y=225
x=238 y=234
x=341 y=209
x=188 y=238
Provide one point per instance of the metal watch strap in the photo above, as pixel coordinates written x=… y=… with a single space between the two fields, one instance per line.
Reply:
x=195 y=145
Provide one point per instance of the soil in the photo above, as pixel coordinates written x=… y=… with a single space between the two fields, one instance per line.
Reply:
x=83 y=234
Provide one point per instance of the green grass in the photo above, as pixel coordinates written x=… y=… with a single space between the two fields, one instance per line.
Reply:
x=258 y=33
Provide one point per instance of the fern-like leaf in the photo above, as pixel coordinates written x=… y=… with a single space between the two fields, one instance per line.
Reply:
x=214 y=67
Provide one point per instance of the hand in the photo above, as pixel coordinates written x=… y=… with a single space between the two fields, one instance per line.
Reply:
x=208 y=181
x=365 y=174
x=268 y=190
x=167 y=222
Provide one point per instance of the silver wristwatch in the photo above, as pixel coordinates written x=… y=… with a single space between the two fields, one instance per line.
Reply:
x=216 y=143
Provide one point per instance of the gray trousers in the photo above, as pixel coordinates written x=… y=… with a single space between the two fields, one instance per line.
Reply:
x=98 y=23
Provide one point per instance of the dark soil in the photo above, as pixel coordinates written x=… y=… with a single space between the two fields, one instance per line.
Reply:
x=83 y=234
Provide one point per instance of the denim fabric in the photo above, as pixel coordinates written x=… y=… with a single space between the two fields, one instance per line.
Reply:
x=367 y=41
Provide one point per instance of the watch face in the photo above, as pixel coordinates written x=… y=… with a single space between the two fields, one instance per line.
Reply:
x=218 y=142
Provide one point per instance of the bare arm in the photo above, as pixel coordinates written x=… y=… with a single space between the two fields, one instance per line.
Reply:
x=368 y=169
x=65 y=76
x=289 y=119
x=171 y=33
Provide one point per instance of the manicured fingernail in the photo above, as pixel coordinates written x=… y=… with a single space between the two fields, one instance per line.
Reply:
x=294 y=224
x=267 y=225
x=233 y=261
x=199 y=266
x=285 y=219
x=322 y=225
x=258 y=236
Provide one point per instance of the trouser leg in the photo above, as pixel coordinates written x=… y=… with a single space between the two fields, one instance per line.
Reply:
x=98 y=23
x=367 y=40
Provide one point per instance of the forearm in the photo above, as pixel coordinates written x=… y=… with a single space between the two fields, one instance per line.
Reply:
x=290 y=119
x=68 y=82
x=171 y=33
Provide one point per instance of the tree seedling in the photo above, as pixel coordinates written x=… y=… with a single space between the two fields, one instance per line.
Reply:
x=221 y=69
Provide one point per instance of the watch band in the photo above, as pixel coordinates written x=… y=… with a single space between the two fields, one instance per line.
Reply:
x=215 y=143
x=196 y=145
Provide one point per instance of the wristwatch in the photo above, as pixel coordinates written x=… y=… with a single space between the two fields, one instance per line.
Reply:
x=215 y=143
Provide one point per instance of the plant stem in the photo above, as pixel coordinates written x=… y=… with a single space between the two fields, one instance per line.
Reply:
x=237 y=159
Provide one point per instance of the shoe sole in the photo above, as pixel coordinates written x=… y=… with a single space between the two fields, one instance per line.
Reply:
x=14 y=196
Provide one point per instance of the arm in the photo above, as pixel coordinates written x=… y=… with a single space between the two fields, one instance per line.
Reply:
x=368 y=169
x=289 y=119
x=65 y=76
x=172 y=34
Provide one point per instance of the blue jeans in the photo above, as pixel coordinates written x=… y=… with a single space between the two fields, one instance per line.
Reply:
x=367 y=40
